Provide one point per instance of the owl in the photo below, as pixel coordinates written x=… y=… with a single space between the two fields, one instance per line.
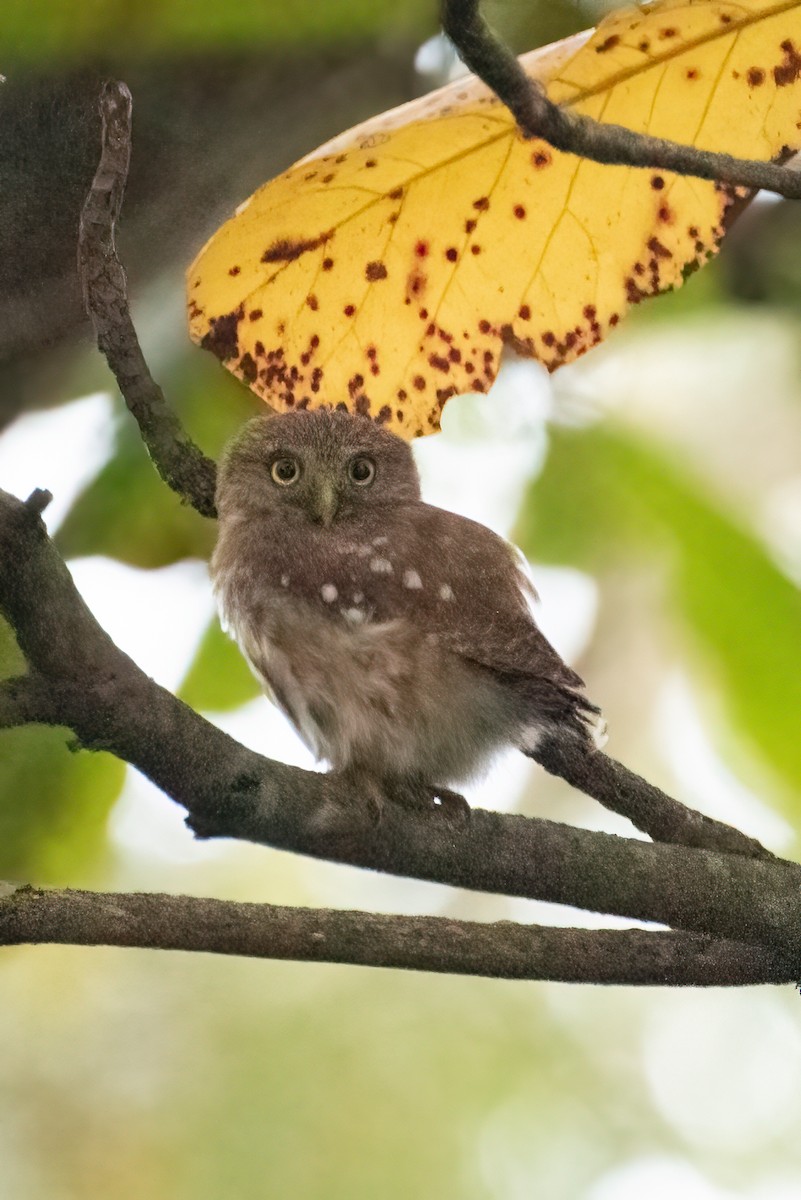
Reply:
x=398 y=638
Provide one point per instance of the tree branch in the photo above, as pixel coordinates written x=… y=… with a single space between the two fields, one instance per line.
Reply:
x=501 y=950
x=537 y=116
x=230 y=791
x=181 y=464
x=647 y=807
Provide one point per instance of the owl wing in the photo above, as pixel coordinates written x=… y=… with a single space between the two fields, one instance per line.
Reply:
x=470 y=588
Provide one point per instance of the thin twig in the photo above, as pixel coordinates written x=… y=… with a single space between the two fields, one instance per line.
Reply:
x=537 y=116
x=181 y=464
x=501 y=950
x=646 y=806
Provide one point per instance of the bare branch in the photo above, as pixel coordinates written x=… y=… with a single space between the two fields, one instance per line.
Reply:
x=38 y=501
x=25 y=700
x=230 y=791
x=647 y=807
x=502 y=950
x=178 y=460
x=537 y=116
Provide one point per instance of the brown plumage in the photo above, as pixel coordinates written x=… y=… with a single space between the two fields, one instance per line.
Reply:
x=397 y=637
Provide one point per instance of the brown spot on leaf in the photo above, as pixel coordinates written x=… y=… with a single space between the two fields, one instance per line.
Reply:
x=421 y=249
x=312 y=302
x=657 y=183
x=328 y=178
x=644 y=45
x=755 y=76
x=484 y=326
x=524 y=312
x=438 y=363
x=327 y=264
x=362 y=405
x=349 y=310
x=455 y=355
x=634 y=293
x=259 y=349
x=451 y=254
x=474 y=249
x=482 y=204
x=691 y=73
x=609 y=44
x=613 y=320
x=548 y=338
x=725 y=18
x=355 y=384
x=540 y=159
x=469 y=226
x=255 y=315
x=419 y=382
x=415 y=284
x=423 y=314
x=223 y=336
x=669 y=32
x=665 y=215
x=375 y=271
x=396 y=193
x=247 y=365
x=384 y=414
x=522 y=346
x=234 y=270
x=657 y=249
x=519 y=211
x=790 y=69
x=286 y=250
x=371 y=162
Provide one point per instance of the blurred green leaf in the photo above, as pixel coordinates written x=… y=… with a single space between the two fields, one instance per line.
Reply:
x=219 y=678
x=12 y=661
x=604 y=498
x=54 y=805
x=127 y=512
x=51 y=28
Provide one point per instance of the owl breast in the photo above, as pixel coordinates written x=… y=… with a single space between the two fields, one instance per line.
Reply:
x=381 y=697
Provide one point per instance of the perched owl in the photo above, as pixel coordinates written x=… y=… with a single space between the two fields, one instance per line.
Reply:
x=397 y=637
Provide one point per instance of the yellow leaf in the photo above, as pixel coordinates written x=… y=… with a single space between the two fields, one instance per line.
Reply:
x=388 y=270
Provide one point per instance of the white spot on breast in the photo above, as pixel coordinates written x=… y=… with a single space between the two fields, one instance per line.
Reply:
x=446 y=592
x=284 y=581
x=354 y=615
x=380 y=541
x=381 y=566
x=411 y=579
x=329 y=593
x=358 y=597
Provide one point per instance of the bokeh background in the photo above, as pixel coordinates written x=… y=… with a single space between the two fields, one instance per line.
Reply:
x=656 y=487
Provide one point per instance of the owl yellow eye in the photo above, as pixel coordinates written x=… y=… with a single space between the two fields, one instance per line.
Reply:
x=362 y=471
x=285 y=471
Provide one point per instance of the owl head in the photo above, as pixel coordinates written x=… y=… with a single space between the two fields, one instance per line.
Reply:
x=320 y=466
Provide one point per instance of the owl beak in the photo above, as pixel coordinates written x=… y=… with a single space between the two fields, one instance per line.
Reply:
x=326 y=504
